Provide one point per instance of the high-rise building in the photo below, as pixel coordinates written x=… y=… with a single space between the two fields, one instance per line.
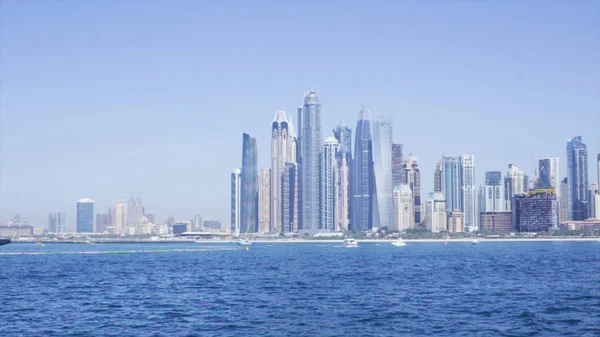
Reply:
x=249 y=182
x=135 y=211
x=404 y=213
x=500 y=221
x=548 y=174
x=236 y=192
x=598 y=169
x=597 y=204
x=343 y=194
x=452 y=184
x=120 y=218
x=397 y=161
x=563 y=202
x=592 y=201
x=436 y=217
x=514 y=184
x=343 y=134
x=264 y=201
x=329 y=183
x=103 y=223
x=362 y=174
x=283 y=150
x=493 y=194
x=56 y=222
x=383 y=197
x=289 y=196
x=469 y=194
x=536 y=211
x=577 y=174
x=411 y=176
x=85 y=215
x=310 y=149
x=438 y=177
x=456 y=222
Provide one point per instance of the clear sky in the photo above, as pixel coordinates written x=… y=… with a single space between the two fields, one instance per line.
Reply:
x=107 y=99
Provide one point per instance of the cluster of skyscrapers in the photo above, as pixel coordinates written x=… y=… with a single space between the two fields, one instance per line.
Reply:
x=330 y=185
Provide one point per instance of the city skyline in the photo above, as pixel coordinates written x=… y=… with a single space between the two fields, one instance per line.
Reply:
x=177 y=135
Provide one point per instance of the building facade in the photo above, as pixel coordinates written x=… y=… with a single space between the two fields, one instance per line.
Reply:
x=515 y=183
x=496 y=221
x=536 y=211
x=57 y=222
x=493 y=192
x=436 y=217
x=404 y=214
x=283 y=150
x=135 y=211
x=452 y=184
x=329 y=184
x=577 y=175
x=456 y=222
x=85 y=215
x=310 y=147
x=383 y=197
x=236 y=192
x=289 y=196
x=249 y=189
x=120 y=218
x=362 y=179
x=264 y=201
x=397 y=161
x=469 y=193
x=411 y=176
x=438 y=177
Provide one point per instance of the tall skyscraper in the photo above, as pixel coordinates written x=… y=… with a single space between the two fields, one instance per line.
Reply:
x=343 y=134
x=436 y=217
x=329 y=183
x=404 y=213
x=249 y=181
x=135 y=211
x=383 y=197
x=283 y=150
x=343 y=194
x=438 y=177
x=469 y=192
x=548 y=174
x=452 y=184
x=362 y=174
x=236 y=192
x=577 y=174
x=264 y=201
x=397 y=161
x=563 y=202
x=56 y=222
x=592 y=201
x=85 y=215
x=120 y=218
x=289 y=196
x=310 y=147
x=514 y=184
x=493 y=196
x=411 y=175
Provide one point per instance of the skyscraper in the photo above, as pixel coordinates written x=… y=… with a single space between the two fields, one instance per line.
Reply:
x=362 y=174
x=289 y=196
x=249 y=190
x=397 y=163
x=436 y=217
x=404 y=213
x=577 y=174
x=329 y=183
x=452 y=184
x=383 y=197
x=438 y=177
x=310 y=147
x=563 y=203
x=493 y=196
x=411 y=175
x=343 y=194
x=120 y=218
x=548 y=174
x=236 y=190
x=135 y=211
x=514 y=183
x=283 y=150
x=264 y=201
x=56 y=222
x=85 y=215
x=343 y=134
x=469 y=192
x=592 y=201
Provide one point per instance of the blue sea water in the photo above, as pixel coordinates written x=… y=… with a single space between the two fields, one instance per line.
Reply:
x=309 y=289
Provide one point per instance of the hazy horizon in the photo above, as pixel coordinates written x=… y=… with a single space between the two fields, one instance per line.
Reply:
x=108 y=100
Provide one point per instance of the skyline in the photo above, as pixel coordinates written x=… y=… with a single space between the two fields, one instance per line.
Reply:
x=163 y=145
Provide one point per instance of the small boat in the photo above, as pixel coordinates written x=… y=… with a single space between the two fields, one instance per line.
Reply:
x=350 y=243
x=244 y=242
x=475 y=242
x=90 y=242
x=399 y=243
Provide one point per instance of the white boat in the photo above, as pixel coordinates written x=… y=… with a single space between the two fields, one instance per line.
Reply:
x=350 y=243
x=244 y=242
x=475 y=242
x=399 y=243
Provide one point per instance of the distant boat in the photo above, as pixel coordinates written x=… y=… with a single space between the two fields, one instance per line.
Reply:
x=475 y=242
x=399 y=243
x=350 y=243
x=90 y=242
x=244 y=242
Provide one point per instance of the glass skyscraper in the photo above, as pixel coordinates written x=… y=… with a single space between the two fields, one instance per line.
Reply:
x=329 y=171
x=493 y=194
x=469 y=192
x=577 y=178
x=396 y=164
x=249 y=189
x=452 y=184
x=362 y=174
x=310 y=152
x=383 y=198
x=85 y=215
x=235 y=200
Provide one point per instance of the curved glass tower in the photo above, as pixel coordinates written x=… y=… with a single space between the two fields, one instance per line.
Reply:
x=362 y=174
x=383 y=202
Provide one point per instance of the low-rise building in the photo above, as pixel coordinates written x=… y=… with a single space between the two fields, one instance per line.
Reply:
x=500 y=221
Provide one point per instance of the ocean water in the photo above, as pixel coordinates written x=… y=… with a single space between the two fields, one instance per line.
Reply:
x=309 y=289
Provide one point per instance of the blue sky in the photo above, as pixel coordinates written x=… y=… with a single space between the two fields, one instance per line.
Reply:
x=107 y=99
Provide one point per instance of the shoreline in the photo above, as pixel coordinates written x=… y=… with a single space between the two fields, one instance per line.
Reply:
x=265 y=241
